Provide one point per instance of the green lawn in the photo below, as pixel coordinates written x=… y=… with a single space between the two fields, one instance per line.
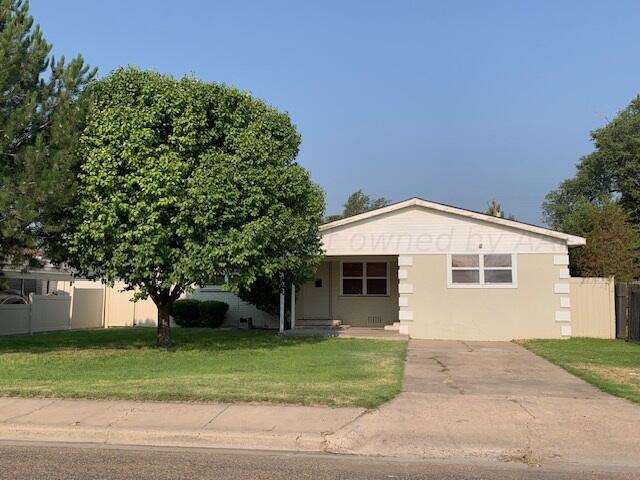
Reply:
x=611 y=365
x=205 y=365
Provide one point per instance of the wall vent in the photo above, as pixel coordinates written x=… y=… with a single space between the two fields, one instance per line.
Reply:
x=375 y=319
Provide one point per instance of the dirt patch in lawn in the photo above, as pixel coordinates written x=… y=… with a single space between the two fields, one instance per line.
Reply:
x=629 y=376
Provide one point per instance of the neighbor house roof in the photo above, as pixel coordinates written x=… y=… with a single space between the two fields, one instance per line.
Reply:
x=572 y=240
x=46 y=271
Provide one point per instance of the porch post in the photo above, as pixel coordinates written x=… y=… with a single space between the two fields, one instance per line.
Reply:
x=282 y=310
x=293 y=306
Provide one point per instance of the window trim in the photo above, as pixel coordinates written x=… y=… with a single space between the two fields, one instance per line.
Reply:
x=364 y=279
x=215 y=287
x=481 y=268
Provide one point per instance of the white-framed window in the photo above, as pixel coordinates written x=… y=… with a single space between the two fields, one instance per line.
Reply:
x=490 y=270
x=217 y=284
x=364 y=279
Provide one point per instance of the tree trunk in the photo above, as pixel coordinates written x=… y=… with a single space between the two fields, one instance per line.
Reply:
x=164 y=328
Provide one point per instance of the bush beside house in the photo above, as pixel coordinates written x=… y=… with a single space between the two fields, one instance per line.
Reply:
x=197 y=313
x=212 y=313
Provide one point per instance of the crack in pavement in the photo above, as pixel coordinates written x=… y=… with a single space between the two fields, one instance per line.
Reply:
x=449 y=380
x=521 y=405
x=353 y=420
x=124 y=415
x=467 y=346
x=109 y=427
x=215 y=416
x=325 y=434
x=7 y=420
x=527 y=456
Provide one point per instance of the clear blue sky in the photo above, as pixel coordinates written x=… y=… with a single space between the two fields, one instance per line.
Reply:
x=457 y=102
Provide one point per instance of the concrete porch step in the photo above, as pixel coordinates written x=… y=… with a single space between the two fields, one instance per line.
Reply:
x=320 y=322
x=346 y=331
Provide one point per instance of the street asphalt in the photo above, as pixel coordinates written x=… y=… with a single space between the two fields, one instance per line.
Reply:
x=87 y=462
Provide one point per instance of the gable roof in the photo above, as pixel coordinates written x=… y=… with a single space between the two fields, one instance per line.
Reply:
x=572 y=240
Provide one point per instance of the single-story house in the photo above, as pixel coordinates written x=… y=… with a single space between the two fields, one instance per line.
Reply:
x=441 y=272
x=427 y=269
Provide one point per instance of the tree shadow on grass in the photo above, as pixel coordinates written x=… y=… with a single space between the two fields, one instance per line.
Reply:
x=143 y=338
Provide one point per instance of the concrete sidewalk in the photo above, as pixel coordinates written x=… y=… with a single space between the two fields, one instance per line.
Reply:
x=252 y=426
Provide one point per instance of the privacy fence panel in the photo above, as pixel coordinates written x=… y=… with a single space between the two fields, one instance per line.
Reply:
x=14 y=319
x=88 y=308
x=50 y=313
x=592 y=307
x=628 y=310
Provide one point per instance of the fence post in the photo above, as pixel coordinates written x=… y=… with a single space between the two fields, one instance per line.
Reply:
x=626 y=311
x=612 y=307
x=633 y=319
x=282 y=310
x=622 y=310
x=72 y=289
x=31 y=314
x=104 y=306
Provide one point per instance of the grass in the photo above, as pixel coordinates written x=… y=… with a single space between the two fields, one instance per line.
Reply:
x=611 y=365
x=204 y=365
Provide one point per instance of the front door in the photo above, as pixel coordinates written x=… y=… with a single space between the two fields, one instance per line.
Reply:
x=316 y=295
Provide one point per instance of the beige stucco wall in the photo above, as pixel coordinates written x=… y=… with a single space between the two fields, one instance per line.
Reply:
x=327 y=302
x=527 y=311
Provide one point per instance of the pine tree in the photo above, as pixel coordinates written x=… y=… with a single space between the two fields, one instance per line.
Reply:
x=40 y=121
x=494 y=208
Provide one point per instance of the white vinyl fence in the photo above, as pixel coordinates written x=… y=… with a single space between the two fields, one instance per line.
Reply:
x=48 y=313
x=14 y=319
x=45 y=313
x=88 y=304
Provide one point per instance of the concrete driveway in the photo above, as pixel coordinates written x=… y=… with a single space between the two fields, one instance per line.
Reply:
x=495 y=400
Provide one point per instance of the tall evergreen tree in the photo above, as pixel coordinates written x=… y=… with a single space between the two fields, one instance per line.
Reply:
x=40 y=121
x=494 y=208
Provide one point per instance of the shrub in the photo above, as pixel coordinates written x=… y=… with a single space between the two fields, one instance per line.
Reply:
x=195 y=313
x=212 y=313
x=186 y=313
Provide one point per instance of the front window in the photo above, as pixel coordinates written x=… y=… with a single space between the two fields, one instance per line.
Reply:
x=365 y=278
x=481 y=270
x=465 y=268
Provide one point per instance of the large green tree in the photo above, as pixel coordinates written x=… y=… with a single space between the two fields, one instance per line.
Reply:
x=591 y=184
x=359 y=202
x=612 y=241
x=183 y=180
x=602 y=200
x=40 y=121
x=618 y=150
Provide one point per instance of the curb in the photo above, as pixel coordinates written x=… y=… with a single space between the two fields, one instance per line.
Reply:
x=303 y=442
